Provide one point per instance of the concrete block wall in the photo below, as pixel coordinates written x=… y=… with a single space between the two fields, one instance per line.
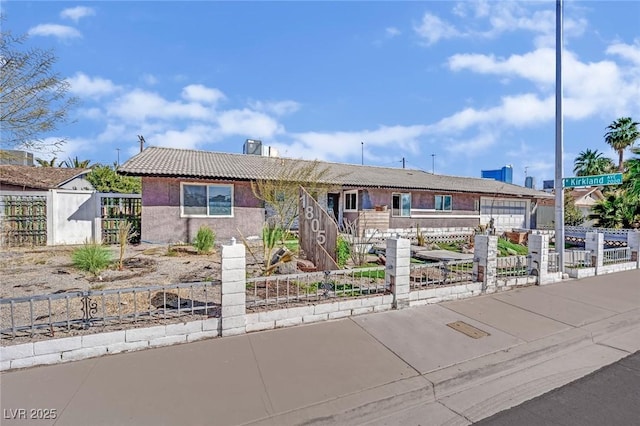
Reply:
x=287 y=317
x=234 y=296
x=633 y=242
x=235 y=320
x=430 y=296
x=75 y=348
x=398 y=261
x=594 y=241
x=485 y=261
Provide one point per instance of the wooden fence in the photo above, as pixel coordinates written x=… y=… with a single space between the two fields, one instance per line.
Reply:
x=116 y=208
x=318 y=233
x=24 y=220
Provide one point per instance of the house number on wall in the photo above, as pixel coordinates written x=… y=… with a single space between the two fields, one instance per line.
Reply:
x=320 y=234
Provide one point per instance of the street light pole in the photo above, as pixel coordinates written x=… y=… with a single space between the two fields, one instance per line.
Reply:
x=559 y=209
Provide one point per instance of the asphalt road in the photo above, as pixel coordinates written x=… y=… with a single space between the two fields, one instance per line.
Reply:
x=607 y=397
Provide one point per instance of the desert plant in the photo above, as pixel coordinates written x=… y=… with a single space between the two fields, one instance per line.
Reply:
x=91 y=257
x=125 y=234
x=358 y=244
x=204 y=240
x=343 y=251
x=422 y=240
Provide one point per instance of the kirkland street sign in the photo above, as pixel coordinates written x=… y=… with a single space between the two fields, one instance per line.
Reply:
x=610 y=179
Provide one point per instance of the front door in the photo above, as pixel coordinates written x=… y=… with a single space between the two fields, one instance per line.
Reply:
x=333 y=206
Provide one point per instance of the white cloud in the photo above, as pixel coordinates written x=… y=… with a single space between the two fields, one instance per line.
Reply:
x=190 y=138
x=341 y=146
x=76 y=13
x=472 y=146
x=589 y=88
x=514 y=111
x=248 y=123
x=630 y=52
x=200 y=93
x=149 y=79
x=392 y=32
x=141 y=105
x=278 y=108
x=55 y=30
x=85 y=86
x=432 y=29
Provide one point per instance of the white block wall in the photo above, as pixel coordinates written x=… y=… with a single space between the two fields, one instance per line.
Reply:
x=75 y=348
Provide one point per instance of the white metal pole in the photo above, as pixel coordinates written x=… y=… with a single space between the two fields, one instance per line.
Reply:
x=559 y=209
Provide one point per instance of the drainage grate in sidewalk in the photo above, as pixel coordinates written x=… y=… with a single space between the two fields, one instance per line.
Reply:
x=468 y=329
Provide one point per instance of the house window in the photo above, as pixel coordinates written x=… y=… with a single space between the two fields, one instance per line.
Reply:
x=401 y=205
x=351 y=201
x=206 y=200
x=443 y=202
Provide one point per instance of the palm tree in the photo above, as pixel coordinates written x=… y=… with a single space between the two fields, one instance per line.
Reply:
x=589 y=163
x=632 y=178
x=75 y=163
x=45 y=163
x=622 y=133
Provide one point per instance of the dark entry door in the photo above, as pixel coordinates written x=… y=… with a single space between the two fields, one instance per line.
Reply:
x=333 y=205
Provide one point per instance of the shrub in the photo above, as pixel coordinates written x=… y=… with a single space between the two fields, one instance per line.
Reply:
x=343 y=251
x=91 y=257
x=125 y=234
x=205 y=239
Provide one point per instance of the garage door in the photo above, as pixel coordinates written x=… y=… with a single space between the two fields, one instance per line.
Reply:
x=506 y=214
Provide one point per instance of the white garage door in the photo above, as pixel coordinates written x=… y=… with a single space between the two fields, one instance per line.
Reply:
x=507 y=214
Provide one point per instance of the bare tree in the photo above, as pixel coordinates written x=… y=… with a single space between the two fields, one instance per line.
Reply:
x=282 y=192
x=33 y=98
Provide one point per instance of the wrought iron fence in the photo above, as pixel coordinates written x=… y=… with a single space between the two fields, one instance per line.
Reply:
x=315 y=286
x=440 y=273
x=617 y=255
x=109 y=308
x=578 y=258
x=512 y=266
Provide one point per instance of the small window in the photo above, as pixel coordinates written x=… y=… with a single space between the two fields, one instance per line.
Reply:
x=443 y=202
x=207 y=200
x=351 y=201
x=401 y=205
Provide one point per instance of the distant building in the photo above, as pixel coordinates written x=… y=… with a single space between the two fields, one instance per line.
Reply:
x=16 y=158
x=504 y=174
x=530 y=182
x=548 y=185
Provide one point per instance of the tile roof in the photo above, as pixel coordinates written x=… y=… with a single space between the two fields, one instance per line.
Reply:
x=37 y=177
x=171 y=162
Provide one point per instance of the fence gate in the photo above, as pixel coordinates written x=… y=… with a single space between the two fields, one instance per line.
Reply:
x=116 y=208
x=23 y=219
x=318 y=233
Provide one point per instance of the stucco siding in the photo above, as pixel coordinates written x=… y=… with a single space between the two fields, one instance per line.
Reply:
x=162 y=223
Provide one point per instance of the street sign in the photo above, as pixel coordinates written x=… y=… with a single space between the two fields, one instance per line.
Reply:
x=597 y=180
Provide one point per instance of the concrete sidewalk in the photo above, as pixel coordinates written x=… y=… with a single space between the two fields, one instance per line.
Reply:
x=396 y=367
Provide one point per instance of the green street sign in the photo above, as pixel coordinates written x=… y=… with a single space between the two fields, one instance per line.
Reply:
x=597 y=180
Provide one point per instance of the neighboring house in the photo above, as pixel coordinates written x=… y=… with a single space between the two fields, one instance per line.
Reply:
x=183 y=189
x=31 y=178
x=584 y=199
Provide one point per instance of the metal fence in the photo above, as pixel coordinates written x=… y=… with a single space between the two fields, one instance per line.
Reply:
x=512 y=266
x=617 y=255
x=314 y=286
x=109 y=309
x=578 y=258
x=440 y=273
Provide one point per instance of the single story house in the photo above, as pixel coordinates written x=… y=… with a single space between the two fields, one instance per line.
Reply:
x=183 y=189
x=583 y=198
x=32 y=178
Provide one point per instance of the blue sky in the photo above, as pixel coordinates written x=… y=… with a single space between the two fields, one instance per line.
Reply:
x=471 y=82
